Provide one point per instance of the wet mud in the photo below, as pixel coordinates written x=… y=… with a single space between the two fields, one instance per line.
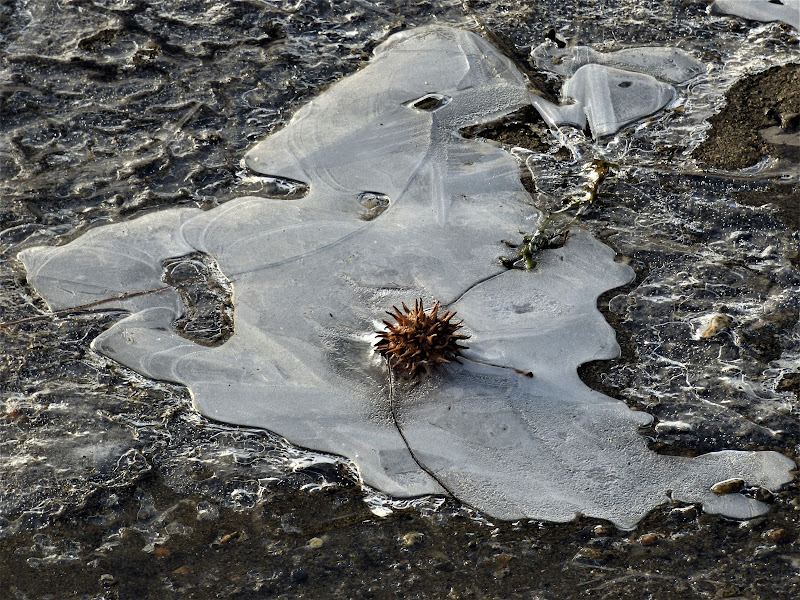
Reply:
x=783 y=199
x=761 y=118
x=146 y=541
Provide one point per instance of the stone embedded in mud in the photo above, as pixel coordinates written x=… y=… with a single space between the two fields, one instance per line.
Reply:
x=311 y=277
x=716 y=325
x=729 y=486
x=787 y=11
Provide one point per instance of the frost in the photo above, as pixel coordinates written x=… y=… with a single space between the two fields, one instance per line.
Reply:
x=787 y=11
x=399 y=206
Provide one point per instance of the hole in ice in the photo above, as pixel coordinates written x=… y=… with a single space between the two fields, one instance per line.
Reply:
x=207 y=317
x=625 y=84
x=374 y=204
x=430 y=102
x=312 y=280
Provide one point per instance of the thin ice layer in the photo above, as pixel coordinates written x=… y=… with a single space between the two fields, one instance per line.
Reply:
x=671 y=65
x=607 y=98
x=610 y=90
x=312 y=279
x=787 y=11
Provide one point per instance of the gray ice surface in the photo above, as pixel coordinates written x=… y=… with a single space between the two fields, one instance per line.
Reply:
x=611 y=90
x=787 y=11
x=671 y=65
x=312 y=279
x=606 y=97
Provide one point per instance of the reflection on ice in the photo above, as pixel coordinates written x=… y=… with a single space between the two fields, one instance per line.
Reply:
x=311 y=275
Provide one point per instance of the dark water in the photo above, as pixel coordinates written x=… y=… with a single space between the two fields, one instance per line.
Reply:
x=112 y=487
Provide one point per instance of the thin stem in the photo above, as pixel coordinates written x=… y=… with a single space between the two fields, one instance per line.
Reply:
x=403 y=435
x=83 y=307
x=491 y=364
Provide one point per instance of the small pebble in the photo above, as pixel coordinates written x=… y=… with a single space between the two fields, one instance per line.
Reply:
x=649 y=539
x=412 y=539
x=184 y=570
x=718 y=323
x=501 y=561
x=299 y=576
x=602 y=531
x=765 y=551
x=779 y=535
x=592 y=555
x=729 y=486
x=315 y=542
x=228 y=537
x=684 y=513
x=161 y=551
x=107 y=580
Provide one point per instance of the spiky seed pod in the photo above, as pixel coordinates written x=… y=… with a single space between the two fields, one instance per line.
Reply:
x=418 y=340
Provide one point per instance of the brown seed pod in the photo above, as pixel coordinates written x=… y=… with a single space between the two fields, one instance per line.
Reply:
x=418 y=340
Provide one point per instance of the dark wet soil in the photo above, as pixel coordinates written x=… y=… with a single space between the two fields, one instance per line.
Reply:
x=784 y=198
x=523 y=128
x=327 y=544
x=757 y=106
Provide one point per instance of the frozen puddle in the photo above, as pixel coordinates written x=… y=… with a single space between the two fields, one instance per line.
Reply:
x=787 y=11
x=400 y=207
x=610 y=90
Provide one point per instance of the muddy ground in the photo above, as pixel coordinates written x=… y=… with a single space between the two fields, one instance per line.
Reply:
x=760 y=119
x=327 y=544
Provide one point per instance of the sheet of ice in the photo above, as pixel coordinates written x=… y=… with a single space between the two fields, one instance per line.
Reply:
x=787 y=11
x=607 y=97
x=671 y=65
x=313 y=276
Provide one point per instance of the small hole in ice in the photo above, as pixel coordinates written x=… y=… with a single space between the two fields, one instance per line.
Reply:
x=430 y=102
x=374 y=204
x=625 y=84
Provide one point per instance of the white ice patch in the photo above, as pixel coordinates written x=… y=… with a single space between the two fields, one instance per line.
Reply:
x=611 y=90
x=787 y=11
x=310 y=276
x=671 y=65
